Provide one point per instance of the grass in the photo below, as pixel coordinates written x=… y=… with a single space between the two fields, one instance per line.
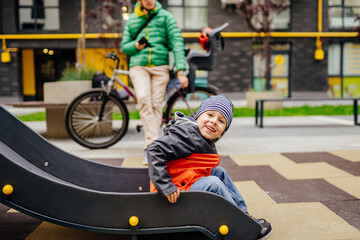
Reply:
x=245 y=112
x=38 y=116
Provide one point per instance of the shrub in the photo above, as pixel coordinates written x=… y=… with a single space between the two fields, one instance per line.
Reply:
x=72 y=73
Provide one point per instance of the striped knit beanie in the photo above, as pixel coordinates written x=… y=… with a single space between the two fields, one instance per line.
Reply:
x=218 y=103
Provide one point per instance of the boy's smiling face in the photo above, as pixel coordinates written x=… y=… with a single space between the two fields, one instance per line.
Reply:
x=211 y=124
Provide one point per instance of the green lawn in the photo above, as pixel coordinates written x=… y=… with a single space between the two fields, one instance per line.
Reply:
x=245 y=112
x=299 y=111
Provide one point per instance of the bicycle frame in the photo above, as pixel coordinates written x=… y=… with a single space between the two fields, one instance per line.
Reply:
x=115 y=77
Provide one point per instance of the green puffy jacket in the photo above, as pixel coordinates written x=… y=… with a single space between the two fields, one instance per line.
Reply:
x=161 y=32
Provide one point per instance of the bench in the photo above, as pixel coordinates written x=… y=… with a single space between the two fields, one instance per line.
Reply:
x=55 y=120
x=55 y=115
x=259 y=106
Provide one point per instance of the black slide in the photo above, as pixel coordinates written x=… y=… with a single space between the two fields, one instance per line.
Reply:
x=55 y=186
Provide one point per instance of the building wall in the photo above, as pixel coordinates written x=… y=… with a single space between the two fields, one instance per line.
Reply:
x=304 y=15
x=10 y=77
x=1 y=17
x=233 y=66
x=9 y=16
x=306 y=72
x=233 y=69
x=10 y=73
x=70 y=21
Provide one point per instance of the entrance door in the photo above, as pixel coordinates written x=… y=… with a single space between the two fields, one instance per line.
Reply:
x=49 y=65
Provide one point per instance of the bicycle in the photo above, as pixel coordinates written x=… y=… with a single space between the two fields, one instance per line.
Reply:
x=99 y=118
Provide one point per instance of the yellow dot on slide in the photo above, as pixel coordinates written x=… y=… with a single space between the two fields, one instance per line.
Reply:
x=223 y=229
x=133 y=221
x=8 y=189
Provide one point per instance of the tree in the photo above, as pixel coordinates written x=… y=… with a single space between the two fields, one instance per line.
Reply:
x=259 y=17
x=357 y=29
x=108 y=17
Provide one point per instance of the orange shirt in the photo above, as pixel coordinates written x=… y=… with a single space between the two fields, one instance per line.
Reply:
x=185 y=171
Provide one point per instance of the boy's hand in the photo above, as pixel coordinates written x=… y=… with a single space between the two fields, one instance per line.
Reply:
x=172 y=197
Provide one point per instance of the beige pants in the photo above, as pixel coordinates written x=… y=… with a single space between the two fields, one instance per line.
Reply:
x=150 y=89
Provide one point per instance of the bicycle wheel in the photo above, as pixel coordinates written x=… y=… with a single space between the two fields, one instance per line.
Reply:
x=176 y=103
x=96 y=120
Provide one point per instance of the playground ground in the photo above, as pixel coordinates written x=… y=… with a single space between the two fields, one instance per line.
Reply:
x=300 y=173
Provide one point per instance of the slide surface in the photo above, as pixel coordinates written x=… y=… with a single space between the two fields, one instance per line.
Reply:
x=57 y=187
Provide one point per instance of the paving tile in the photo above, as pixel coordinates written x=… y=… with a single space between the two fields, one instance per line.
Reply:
x=281 y=189
x=309 y=171
x=253 y=194
x=12 y=211
x=259 y=159
x=350 y=185
x=3 y=208
x=351 y=155
x=348 y=210
x=289 y=169
x=51 y=231
x=304 y=191
x=244 y=173
x=15 y=226
x=336 y=161
x=299 y=221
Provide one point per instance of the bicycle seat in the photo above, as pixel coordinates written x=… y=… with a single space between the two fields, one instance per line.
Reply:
x=206 y=61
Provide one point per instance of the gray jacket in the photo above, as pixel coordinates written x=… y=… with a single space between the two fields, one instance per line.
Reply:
x=182 y=143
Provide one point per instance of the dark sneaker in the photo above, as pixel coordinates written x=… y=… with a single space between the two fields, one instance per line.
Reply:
x=266 y=229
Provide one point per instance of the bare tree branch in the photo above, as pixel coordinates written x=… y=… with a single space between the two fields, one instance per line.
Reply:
x=259 y=17
x=107 y=17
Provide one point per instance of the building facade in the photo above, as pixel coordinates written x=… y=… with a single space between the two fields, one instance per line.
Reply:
x=41 y=38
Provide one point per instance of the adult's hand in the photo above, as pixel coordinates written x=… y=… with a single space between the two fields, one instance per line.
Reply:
x=139 y=46
x=172 y=197
x=184 y=81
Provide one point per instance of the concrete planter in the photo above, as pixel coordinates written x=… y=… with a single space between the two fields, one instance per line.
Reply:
x=251 y=97
x=60 y=93
x=64 y=91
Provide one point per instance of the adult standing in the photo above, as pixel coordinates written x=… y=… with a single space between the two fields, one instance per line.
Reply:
x=149 y=61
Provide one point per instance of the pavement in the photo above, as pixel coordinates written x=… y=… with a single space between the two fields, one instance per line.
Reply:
x=302 y=174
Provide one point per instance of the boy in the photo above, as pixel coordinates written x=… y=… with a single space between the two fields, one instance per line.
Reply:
x=185 y=158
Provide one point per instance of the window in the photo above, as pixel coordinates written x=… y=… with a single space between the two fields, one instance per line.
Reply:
x=189 y=14
x=342 y=13
x=280 y=69
x=39 y=15
x=344 y=70
x=282 y=20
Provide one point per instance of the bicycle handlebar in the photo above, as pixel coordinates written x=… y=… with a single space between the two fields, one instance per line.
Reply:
x=114 y=57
